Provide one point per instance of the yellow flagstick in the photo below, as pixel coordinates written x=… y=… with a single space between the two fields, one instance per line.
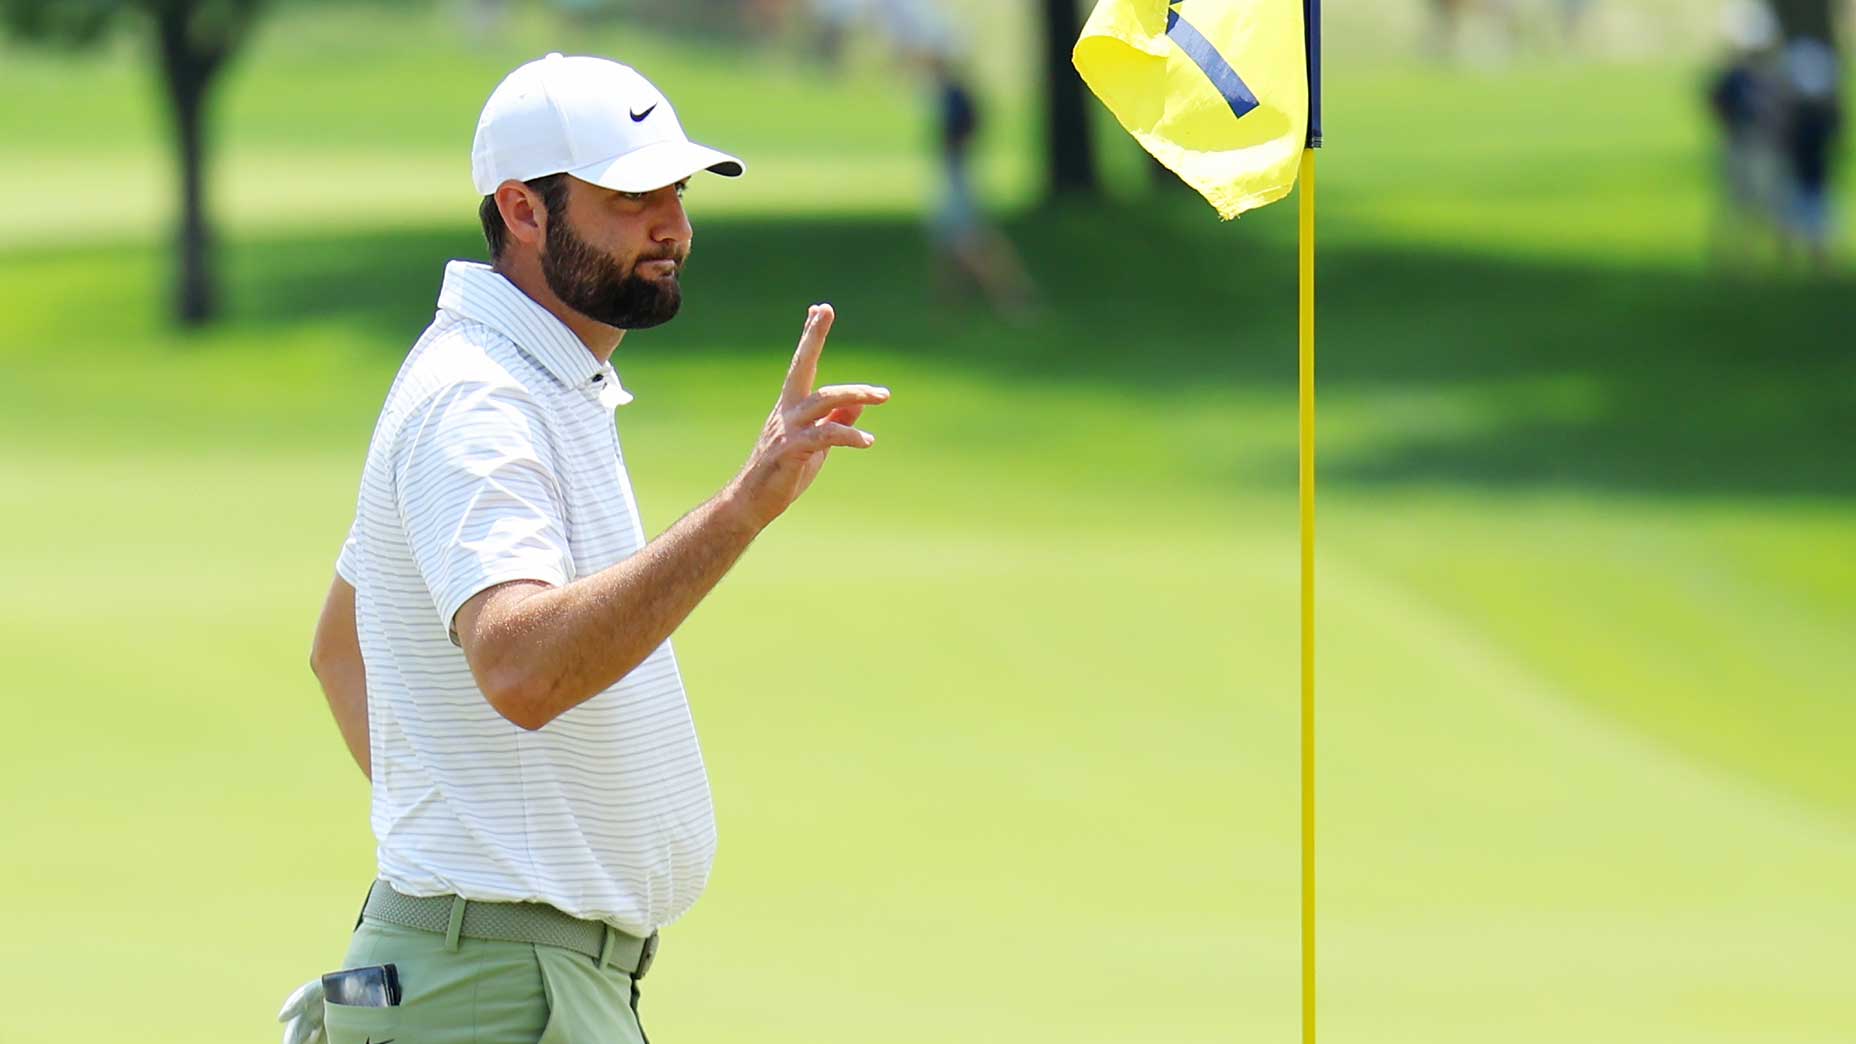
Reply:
x=1307 y=368
x=1311 y=40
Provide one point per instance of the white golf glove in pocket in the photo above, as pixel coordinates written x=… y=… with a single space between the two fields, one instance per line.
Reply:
x=302 y=1014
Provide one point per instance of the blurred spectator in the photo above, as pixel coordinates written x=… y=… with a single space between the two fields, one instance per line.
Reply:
x=1813 y=117
x=970 y=253
x=971 y=256
x=1747 y=100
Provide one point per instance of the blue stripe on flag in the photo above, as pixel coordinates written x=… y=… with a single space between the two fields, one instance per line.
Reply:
x=1236 y=93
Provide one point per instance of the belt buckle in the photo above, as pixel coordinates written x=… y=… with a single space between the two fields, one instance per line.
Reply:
x=646 y=956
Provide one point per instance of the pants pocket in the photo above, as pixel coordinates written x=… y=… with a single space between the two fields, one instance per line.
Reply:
x=587 y=1004
x=347 y=1024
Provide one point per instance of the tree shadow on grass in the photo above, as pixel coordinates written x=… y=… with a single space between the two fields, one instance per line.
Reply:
x=1583 y=376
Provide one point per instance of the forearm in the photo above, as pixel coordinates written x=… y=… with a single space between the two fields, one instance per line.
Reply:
x=538 y=651
x=561 y=646
x=345 y=687
x=335 y=659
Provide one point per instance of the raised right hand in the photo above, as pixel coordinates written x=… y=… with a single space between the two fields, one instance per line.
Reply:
x=803 y=427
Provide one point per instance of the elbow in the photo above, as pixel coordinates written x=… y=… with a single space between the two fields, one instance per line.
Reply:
x=523 y=715
x=518 y=696
x=330 y=656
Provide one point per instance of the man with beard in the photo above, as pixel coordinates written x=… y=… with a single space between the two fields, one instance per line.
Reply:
x=495 y=646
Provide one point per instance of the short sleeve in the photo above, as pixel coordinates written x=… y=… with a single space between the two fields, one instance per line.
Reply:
x=348 y=563
x=479 y=495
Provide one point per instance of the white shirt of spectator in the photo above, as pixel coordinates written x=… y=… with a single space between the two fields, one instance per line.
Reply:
x=496 y=459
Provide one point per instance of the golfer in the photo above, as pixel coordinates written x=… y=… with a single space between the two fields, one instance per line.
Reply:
x=496 y=646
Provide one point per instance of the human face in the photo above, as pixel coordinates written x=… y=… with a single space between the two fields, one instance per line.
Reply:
x=615 y=257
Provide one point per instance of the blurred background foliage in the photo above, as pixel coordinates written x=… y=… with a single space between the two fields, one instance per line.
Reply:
x=1002 y=718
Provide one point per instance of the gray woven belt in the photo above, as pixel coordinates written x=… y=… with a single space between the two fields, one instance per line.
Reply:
x=536 y=923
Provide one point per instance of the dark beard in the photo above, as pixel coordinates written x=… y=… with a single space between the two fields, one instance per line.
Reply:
x=595 y=286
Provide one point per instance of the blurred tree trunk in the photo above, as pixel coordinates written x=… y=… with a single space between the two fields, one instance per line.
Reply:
x=193 y=39
x=1070 y=161
x=189 y=66
x=1808 y=18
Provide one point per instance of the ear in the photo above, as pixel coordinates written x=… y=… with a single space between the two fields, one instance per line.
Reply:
x=523 y=213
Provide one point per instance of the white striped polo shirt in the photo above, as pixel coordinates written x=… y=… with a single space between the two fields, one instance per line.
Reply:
x=495 y=459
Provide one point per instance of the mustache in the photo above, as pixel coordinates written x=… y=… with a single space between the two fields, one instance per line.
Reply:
x=668 y=254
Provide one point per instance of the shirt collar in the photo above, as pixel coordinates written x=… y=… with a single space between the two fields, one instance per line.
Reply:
x=476 y=291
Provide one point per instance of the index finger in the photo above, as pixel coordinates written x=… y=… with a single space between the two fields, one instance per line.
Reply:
x=804 y=370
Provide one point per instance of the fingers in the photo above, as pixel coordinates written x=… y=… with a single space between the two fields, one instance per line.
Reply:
x=845 y=415
x=804 y=370
x=838 y=396
x=827 y=435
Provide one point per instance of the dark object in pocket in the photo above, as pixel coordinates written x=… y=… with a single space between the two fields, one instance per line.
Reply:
x=377 y=986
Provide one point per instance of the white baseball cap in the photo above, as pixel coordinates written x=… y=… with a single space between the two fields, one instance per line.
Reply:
x=589 y=117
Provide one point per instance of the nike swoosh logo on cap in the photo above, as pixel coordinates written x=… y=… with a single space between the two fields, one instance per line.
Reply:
x=638 y=117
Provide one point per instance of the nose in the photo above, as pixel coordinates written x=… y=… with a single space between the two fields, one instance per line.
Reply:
x=671 y=224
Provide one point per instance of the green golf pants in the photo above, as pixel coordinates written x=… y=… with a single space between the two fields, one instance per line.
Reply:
x=486 y=992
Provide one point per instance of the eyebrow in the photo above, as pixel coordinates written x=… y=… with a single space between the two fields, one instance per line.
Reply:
x=675 y=184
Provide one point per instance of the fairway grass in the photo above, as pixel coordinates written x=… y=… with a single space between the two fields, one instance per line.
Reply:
x=1025 y=750
x=1001 y=718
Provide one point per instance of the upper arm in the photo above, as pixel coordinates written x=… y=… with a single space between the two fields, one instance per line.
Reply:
x=337 y=640
x=485 y=621
x=479 y=496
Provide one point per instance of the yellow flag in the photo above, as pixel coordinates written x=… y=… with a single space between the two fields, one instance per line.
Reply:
x=1217 y=90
